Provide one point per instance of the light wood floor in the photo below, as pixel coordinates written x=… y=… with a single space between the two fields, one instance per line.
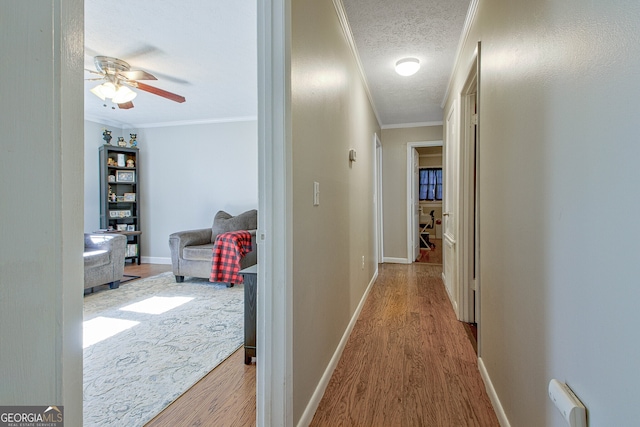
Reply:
x=408 y=362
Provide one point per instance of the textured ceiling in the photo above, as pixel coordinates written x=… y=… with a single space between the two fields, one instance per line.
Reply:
x=206 y=51
x=385 y=31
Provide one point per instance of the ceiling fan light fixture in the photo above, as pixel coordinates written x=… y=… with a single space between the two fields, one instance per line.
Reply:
x=123 y=95
x=108 y=90
x=97 y=91
x=407 y=66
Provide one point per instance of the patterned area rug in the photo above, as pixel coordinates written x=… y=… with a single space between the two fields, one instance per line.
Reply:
x=162 y=337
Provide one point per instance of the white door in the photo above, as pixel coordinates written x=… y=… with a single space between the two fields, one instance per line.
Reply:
x=450 y=208
x=415 y=204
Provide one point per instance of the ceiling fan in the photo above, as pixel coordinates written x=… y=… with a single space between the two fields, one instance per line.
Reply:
x=118 y=77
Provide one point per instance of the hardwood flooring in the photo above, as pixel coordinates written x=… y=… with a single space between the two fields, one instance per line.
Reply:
x=408 y=362
x=225 y=397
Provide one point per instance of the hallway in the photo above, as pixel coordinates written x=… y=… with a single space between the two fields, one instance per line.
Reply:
x=408 y=361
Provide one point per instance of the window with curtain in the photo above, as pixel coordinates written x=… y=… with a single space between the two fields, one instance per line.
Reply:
x=431 y=184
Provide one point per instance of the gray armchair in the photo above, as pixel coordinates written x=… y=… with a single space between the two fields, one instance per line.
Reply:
x=192 y=250
x=104 y=259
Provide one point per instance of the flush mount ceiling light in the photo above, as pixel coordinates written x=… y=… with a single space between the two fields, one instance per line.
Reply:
x=407 y=66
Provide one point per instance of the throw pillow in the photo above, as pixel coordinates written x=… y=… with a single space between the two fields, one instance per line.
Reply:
x=224 y=222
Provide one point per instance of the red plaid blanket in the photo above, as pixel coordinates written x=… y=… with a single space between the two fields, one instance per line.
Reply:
x=228 y=250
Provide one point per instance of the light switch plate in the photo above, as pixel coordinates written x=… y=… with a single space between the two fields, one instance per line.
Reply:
x=316 y=193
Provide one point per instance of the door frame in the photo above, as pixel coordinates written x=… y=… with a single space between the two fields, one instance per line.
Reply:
x=274 y=372
x=467 y=195
x=378 y=202
x=469 y=236
x=410 y=232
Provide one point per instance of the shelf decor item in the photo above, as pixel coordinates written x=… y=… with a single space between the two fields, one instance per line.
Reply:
x=106 y=135
x=125 y=176
x=119 y=214
x=129 y=197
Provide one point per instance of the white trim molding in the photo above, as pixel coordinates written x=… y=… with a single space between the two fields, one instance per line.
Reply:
x=412 y=125
x=155 y=260
x=392 y=260
x=493 y=396
x=170 y=124
x=312 y=406
x=410 y=232
x=274 y=373
x=346 y=29
x=469 y=20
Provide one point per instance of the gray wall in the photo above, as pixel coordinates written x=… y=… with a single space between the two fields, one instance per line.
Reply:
x=41 y=270
x=330 y=115
x=394 y=183
x=187 y=174
x=558 y=141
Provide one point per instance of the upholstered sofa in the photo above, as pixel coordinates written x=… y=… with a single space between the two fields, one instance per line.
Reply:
x=192 y=250
x=103 y=259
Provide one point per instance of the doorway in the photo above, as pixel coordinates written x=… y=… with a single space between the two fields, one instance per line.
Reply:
x=419 y=214
x=470 y=214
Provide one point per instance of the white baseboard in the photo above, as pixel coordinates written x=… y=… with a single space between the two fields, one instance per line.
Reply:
x=396 y=260
x=155 y=260
x=312 y=406
x=493 y=396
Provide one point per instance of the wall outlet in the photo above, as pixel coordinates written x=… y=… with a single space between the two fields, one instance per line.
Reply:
x=363 y=262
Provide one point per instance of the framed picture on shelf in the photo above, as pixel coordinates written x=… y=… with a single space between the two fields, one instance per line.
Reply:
x=131 y=227
x=119 y=214
x=129 y=197
x=125 y=176
x=121 y=227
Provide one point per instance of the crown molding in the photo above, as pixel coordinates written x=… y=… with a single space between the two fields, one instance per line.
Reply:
x=412 y=125
x=169 y=124
x=195 y=122
x=469 y=20
x=346 y=29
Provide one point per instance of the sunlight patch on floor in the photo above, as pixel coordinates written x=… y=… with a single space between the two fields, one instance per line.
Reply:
x=157 y=305
x=101 y=328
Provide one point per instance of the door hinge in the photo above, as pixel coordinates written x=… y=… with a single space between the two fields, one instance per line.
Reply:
x=474 y=119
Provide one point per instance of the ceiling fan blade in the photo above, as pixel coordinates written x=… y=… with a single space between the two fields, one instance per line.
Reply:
x=160 y=92
x=138 y=75
x=94 y=72
x=125 y=105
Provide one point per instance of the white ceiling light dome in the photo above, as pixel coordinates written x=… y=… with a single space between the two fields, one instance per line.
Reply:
x=407 y=66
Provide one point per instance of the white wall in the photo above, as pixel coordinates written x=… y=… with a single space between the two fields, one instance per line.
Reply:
x=188 y=173
x=558 y=136
x=41 y=270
